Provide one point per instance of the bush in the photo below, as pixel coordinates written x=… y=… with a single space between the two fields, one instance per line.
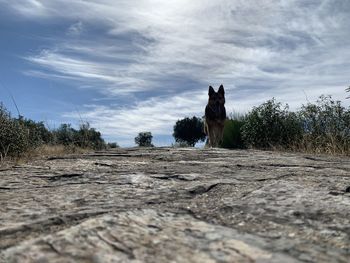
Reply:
x=13 y=135
x=85 y=137
x=189 y=130
x=144 y=139
x=38 y=134
x=64 y=134
x=232 y=134
x=19 y=135
x=326 y=126
x=112 y=145
x=271 y=125
x=321 y=127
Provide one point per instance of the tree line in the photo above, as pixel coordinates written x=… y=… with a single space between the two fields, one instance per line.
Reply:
x=320 y=127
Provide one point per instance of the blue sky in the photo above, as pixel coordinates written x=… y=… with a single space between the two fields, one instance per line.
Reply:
x=139 y=65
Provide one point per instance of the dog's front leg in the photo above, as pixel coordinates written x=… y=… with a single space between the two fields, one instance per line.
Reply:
x=211 y=136
x=221 y=138
x=216 y=136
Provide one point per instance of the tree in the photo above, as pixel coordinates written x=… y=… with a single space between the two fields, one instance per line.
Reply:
x=113 y=145
x=144 y=139
x=189 y=130
x=65 y=134
x=87 y=137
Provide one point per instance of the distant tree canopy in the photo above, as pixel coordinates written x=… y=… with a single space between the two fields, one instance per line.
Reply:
x=189 y=130
x=20 y=135
x=113 y=145
x=144 y=139
x=85 y=137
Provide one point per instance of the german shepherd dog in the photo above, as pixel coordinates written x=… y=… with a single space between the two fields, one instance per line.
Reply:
x=215 y=116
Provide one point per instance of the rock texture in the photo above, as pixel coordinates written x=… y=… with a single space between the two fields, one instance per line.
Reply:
x=176 y=205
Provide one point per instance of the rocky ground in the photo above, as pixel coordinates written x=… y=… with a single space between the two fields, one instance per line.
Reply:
x=176 y=205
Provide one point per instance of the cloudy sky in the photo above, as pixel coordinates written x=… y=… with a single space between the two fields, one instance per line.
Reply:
x=139 y=65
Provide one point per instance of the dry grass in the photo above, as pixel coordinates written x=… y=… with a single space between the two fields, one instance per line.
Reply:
x=45 y=151
x=329 y=146
x=326 y=145
x=321 y=146
x=55 y=150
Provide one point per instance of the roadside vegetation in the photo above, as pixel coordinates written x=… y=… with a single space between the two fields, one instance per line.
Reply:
x=25 y=138
x=320 y=127
x=144 y=139
x=189 y=131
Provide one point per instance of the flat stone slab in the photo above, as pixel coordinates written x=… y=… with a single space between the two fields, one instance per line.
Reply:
x=145 y=236
x=176 y=205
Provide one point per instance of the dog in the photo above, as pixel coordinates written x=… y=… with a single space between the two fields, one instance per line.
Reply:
x=215 y=116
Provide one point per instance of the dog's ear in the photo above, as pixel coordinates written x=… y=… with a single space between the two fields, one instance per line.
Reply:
x=211 y=91
x=221 y=90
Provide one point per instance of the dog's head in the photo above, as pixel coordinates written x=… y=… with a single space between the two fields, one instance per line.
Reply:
x=216 y=99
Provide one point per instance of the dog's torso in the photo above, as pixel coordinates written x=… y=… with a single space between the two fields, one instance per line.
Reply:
x=215 y=115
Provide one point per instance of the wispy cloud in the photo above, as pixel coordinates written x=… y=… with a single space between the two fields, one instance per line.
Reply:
x=75 y=29
x=156 y=114
x=159 y=114
x=171 y=50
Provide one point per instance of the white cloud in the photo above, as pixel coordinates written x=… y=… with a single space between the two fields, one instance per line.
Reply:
x=257 y=49
x=27 y=7
x=157 y=115
x=205 y=40
x=75 y=29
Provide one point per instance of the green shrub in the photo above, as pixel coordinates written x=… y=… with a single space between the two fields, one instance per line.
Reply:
x=17 y=136
x=13 y=136
x=321 y=127
x=65 y=134
x=189 y=130
x=88 y=137
x=85 y=137
x=271 y=125
x=326 y=126
x=38 y=134
x=112 y=145
x=232 y=134
x=144 y=139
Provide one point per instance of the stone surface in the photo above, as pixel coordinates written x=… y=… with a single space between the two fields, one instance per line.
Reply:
x=176 y=205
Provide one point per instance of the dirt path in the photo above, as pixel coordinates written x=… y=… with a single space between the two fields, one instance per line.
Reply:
x=179 y=205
